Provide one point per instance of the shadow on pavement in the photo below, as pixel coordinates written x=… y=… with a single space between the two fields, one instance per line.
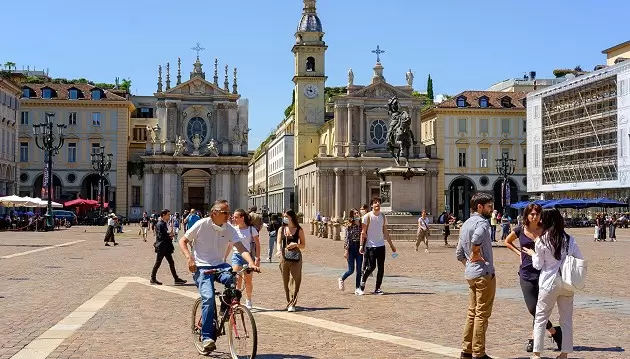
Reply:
x=581 y=348
x=283 y=356
x=408 y=293
x=307 y=309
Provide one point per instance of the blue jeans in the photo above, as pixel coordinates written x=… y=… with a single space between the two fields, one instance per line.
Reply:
x=272 y=243
x=238 y=260
x=493 y=233
x=355 y=260
x=205 y=284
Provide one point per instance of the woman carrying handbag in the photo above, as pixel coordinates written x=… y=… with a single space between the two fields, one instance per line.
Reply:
x=291 y=241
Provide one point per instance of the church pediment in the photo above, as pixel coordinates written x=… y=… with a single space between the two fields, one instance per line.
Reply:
x=484 y=143
x=380 y=90
x=198 y=87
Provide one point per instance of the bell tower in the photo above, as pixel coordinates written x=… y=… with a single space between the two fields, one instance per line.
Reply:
x=309 y=79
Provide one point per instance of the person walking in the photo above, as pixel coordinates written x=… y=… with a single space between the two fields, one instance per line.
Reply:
x=613 y=228
x=423 y=232
x=192 y=218
x=109 y=234
x=351 y=250
x=272 y=228
x=291 y=242
x=474 y=251
x=527 y=234
x=494 y=220
x=373 y=235
x=248 y=236
x=164 y=248
x=551 y=250
x=144 y=226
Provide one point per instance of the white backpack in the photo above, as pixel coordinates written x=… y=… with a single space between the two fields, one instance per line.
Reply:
x=573 y=272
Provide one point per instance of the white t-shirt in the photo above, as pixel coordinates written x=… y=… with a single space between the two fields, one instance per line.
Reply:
x=245 y=237
x=208 y=244
x=375 y=236
x=111 y=222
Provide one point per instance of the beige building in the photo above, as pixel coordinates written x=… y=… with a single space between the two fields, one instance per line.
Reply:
x=9 y=159
x=94 y=118
x=617 y=53
x=188 y=144
x=470 y=131
x=339 y=144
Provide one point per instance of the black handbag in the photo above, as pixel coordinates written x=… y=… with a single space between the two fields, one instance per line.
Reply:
x=290 y=255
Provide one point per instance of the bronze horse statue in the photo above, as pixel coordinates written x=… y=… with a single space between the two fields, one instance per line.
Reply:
x=400 y=136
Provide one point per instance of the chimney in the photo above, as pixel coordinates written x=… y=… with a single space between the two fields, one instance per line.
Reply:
x=532 y=75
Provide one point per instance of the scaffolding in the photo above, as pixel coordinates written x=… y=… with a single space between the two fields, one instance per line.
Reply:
x=580 y=134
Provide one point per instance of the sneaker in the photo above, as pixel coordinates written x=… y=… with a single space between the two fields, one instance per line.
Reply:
x=107 y=244
x=180 y=281
x=269 y=259
x=155 y=282
x=426 y=251
x=379 y=292
x=529 y=347
x=465 y=355
x=291 y=308
x=115 y=244
x=358 y=291
x=208 y=345
x=248 y=304
x=341 y=285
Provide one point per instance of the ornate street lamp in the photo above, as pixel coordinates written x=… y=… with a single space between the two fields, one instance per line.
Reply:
x=101 y=163
x=505 y=168
x=50 y=143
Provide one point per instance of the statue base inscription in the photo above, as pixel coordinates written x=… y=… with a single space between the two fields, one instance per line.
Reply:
x=401 y=189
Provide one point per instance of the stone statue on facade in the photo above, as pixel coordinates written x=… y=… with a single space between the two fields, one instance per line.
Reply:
x=212 y=149
x=350 y=78
x=245 y=133
x=196 y=140
x=409 y=76
x=154 y=133
x=236 y=137
x=400 y=136
x=179 y=146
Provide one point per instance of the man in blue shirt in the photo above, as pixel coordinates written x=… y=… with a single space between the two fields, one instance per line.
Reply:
x=192 y=218
x=474 y=251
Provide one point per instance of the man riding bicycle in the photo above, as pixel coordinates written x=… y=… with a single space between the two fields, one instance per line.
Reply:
x=211 y=239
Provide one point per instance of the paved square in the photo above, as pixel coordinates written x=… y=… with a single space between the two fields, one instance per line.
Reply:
x=65 y=295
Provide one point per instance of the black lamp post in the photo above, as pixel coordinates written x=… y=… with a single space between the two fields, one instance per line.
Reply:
x=50 y=143
x=101 y=163
x=505 y=168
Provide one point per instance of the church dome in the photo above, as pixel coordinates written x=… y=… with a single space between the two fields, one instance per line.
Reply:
x=310 y=23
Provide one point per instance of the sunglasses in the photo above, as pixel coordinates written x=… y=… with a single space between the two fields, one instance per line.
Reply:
x=223 y=212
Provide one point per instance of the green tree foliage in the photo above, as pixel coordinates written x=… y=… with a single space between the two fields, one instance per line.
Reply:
x=290 y=109
x=125 y=84
x=562 y=72
x=430 y=88
x=9 y=65
x=334 y=91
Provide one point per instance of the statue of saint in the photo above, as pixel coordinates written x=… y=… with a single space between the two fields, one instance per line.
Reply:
x=350 y=77
x=236 y=138
x=179 y=146
x=154 y=132
x=245 y=133
x=196 y=140
x=399 y=136
x=409 y=77
x=213 y=151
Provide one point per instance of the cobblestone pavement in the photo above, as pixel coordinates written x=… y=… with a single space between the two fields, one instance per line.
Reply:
x=425 y=302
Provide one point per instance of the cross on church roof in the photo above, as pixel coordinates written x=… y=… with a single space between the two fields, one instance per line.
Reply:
x=197 y=48
x=378 y=53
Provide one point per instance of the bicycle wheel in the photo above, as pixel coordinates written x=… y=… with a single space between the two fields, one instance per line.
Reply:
x=196 y=326
x=242 y=335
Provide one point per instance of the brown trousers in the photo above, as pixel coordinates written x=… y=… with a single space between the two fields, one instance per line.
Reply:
x=423 y=236
x=481 y=293
x=292 y=278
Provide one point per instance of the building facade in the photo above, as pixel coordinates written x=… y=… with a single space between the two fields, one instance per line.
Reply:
x=270 y=178
x=617 y=53
x=470 y=131
x=195 y=144
x=9 y=159
x=94 y=118
x=579 y=136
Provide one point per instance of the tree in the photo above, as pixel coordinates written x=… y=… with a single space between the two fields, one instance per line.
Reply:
x=9 y=65
x=430 y=88
x=126 y=85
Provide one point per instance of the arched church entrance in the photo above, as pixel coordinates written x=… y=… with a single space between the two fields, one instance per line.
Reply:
x=460 y=193
x=197 y=186
x=90 y=190
x=38 y=191
x=512 y=195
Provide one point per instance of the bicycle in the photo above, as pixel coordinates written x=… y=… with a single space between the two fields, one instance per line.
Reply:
x=232 y=312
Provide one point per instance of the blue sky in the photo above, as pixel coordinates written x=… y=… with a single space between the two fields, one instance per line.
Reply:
x=464 y=45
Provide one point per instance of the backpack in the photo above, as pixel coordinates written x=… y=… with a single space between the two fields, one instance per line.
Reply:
x=573 y=271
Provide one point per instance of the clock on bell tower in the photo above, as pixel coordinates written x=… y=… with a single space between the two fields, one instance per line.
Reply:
x=309 y=79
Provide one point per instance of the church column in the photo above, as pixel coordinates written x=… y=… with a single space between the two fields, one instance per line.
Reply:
x=179 y=189
x=243 y=187
x=213 y=185
x=363 y=186
x=350 y=192
x=338 y=202
x=337 y=146
x=147 y=187
x=361 y=129
x=227 y=184
x=434 y=179
x=158 y=188
x=352 y=148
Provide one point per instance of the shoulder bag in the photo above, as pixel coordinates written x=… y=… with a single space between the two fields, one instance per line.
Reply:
x=290 y=255
x=573 y=271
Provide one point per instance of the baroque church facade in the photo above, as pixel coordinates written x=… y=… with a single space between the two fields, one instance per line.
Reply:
x=191 y=142
x=341 y=141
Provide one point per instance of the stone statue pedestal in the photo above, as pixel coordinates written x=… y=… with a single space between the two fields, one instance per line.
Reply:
x=157 y=148
x=401 y=188
x=169 y=148
x=352 y=150
x=225 y=147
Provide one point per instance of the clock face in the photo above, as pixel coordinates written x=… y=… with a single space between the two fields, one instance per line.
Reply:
x=311 y=91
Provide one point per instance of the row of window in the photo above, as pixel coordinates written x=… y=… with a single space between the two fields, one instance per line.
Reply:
x=25 y=118
x=483 y=158
x=73 y=93
x=462 y=125
x=71 y=154
x=484 y=102
x=8 y=100
x=7 y=137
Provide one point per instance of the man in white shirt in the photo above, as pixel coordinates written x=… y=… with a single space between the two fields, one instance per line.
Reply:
x=373 y=235
x=211 y=239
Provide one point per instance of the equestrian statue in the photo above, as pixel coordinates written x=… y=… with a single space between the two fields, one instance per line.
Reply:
x=400 y=136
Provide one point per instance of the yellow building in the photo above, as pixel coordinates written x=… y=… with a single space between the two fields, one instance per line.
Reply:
x=94 y=118
x=470 y=131
x=9 y=169
x=617 y=53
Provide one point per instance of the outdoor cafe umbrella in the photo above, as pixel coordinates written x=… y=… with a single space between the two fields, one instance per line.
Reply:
x=13 y=200
x=605 y=203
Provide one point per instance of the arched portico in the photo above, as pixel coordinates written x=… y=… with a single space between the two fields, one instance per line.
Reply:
x=460 y=191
